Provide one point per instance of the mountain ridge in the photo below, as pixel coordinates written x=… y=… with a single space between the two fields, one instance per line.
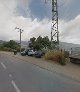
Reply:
x=62 y=45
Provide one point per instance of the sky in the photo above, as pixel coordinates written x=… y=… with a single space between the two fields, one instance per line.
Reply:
x=34 y=17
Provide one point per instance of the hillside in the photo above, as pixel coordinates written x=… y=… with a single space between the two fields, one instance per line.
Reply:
x=68 y=46
x=63 y=45
x=1 y=42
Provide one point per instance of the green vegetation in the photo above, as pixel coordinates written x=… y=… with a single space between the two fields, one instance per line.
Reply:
x=66 y=53
x=9 y=46
x=53 y=54
x=39 y=43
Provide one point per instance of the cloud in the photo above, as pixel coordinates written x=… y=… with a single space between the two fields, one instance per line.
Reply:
x=65 y=2
x=33 y=27
x=22 y=8
x=42 y=28
x=69 y=30
x=6 y=12
x=8 y=19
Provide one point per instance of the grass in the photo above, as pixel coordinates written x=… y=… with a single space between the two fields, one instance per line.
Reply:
x=57 y=56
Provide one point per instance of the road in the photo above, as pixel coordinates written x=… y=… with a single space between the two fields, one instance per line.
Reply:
x=19 y=76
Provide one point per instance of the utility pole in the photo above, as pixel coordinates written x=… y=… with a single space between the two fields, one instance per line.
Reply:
x=20 y=30
x=54 y=27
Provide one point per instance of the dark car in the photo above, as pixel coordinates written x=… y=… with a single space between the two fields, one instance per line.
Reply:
x=38 y=54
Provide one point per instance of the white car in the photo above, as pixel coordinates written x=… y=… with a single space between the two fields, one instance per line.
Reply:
x=31 y=52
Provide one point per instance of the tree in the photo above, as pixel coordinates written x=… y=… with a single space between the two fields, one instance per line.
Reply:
x=39 y=43
x=46 y=43
x=32 y=42
x=33 y=39
x=11 y=44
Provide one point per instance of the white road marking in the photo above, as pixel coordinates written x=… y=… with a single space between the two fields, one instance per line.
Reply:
x=3 y=65
x=10 y=75
x=15 y=86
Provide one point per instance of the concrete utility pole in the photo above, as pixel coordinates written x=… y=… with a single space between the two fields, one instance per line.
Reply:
x=20 y=30
x=54 y=28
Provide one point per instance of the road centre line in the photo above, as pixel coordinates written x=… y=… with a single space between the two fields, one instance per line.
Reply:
x=15 y=86
x=12 y=82
x=3 y=65
x=10 y=75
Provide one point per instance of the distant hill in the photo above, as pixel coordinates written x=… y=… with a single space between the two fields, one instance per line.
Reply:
x=68 y=46
x=24 y=44
x=1 y=42
x=63 y=45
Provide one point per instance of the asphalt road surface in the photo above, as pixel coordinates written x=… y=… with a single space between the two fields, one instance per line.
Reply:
x=19 y=76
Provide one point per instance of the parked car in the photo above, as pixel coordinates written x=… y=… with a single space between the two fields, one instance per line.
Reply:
x=31 y=52
x=38 y=54
x=25 y=52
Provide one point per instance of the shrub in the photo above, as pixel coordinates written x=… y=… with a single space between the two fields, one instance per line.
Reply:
x=62 y=60
x=57 y=56
x=49 y=55
x=66 y=54
x=18 y=49
x=6 y=49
